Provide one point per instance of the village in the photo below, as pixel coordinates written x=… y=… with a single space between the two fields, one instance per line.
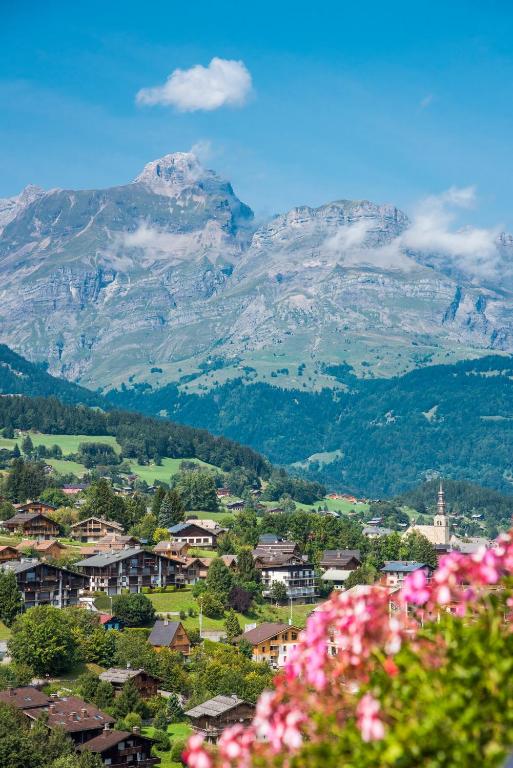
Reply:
x=152 y=605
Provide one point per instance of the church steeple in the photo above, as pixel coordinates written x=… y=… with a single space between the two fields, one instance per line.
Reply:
x=440 y=506
x=441 y=519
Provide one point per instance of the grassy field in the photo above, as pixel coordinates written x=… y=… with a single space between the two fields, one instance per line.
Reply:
x=68 y=443
x=182 y=600
x=5 y=633
x=176 y=731
x=170 y=467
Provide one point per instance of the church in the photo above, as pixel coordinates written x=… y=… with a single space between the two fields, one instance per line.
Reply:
x=439 y=534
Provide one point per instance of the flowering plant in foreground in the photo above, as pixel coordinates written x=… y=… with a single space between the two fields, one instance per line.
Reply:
x=423 y=681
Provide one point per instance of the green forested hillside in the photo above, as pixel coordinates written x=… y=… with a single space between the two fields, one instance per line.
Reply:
x=380 y=437
x=139 y=436
x=462 y=499
x=20 y=377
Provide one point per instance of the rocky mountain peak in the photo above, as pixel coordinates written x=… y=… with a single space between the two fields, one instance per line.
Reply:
x=10 y=207
x=172 y=173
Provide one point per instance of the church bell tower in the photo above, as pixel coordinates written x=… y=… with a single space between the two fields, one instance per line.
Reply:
x=441 y=520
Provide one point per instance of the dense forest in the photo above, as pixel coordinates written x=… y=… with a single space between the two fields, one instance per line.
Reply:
x=382 y=436
x=389 y=434
x=140 y=437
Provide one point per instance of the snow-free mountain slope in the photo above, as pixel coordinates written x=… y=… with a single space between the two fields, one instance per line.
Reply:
x=168 y=278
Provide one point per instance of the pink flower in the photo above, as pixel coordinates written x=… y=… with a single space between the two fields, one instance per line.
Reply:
x=195 y=754
x=368 y=720
x=415 y=589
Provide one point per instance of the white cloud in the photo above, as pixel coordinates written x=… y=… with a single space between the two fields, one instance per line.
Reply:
x=426 y=101
x=471 y=249
x=203 y=150
x=223 y=83
x=349 y=237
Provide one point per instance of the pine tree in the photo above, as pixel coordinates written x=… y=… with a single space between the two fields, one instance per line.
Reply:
x=174 y=711
x=27 y=445
x=16 y=453
x=157 y=500
x=129 y=700
x=246 y=567
x=219 y=579
x=11 y=601
x=232 y=626
x=172 y=510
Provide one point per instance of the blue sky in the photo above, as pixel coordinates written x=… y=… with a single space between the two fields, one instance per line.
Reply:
x=386 y=101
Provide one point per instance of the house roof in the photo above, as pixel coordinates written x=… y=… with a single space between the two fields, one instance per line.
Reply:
x=108 y=558
x=179 y=527
x=335 y=574
x=120 y=674
x=339 y=557
x=163 y=632
x=106 y=740
x=20 y=518
x=269 y=538
x=402 y=566
x=7 y=546
x=215 y=707
x=24 y=697
x=170 y=546
x=20 y=566
x=111 y=523
x=265 y=631
x=376 y=529
x=72 y=714
x=39 y=546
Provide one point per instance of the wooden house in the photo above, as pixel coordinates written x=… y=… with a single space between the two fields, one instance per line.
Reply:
x=41 y=583
x=170 y=548
x=94 y=528
x=112 y=542
x=122 y=748
x=272 y=642
x=34 y=525
x=146 y=685
x=170 y=634
x=130 y=569
x=341 y=559
x=213 y=716
x=51 y=548
x=8 y=553
x=33 y=507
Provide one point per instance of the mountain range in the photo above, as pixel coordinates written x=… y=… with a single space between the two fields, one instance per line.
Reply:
x=316 y=336
x=170 y=279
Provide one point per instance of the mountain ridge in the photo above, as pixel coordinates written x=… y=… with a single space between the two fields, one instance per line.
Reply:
x=170 y=271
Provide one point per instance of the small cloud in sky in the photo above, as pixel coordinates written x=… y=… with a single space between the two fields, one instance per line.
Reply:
x=426 y=101
x=203 y=150
x=223 y=83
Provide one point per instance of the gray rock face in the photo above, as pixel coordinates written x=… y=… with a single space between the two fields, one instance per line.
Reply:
x=170 y=269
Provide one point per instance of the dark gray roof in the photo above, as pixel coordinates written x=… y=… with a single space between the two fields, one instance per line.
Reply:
x=179 y=527
x=215 y=707
x=163 y=632
x=107 y=558
x=20 y=566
